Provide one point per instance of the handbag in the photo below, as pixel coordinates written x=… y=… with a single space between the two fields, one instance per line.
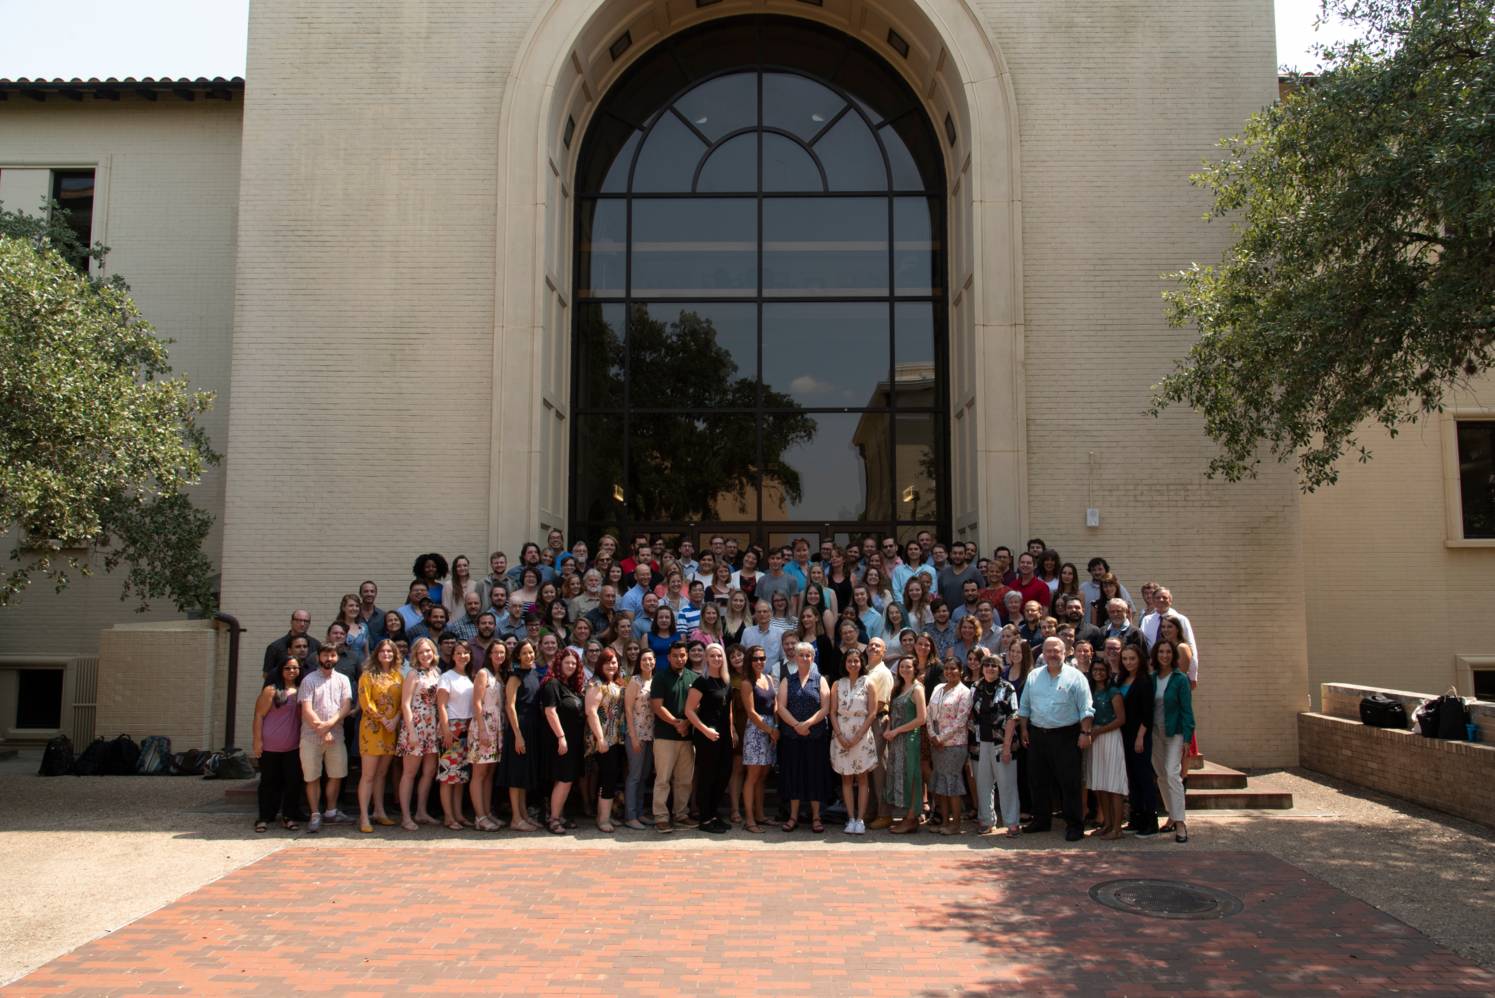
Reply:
x=1381 y=711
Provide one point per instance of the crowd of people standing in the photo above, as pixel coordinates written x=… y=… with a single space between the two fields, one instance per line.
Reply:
x=912 y=686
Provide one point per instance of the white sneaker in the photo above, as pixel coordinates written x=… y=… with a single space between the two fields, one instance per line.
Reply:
x=859 y=827
x=851 y=828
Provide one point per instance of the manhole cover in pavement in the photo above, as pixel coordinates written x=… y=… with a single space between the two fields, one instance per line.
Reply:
x=1166 y=899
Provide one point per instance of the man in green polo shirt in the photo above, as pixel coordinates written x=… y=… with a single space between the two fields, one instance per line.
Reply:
x=674 y=755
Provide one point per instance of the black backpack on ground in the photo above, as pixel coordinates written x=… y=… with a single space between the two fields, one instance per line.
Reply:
x=90 y=761
x=57 y=757
x=121 y=756
x=1381 y=711
x=155 y=756
x=229 y=764
x=189 y=763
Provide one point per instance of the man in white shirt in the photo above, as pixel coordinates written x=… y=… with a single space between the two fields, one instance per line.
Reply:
x=326 y=697
x=762 y=633
x=1163 y=603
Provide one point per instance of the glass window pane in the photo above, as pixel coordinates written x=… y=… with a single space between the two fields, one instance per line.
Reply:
x=788 y=167
x=606 y=156
x=599 y=356
x=687 y=246
x=877 y=87
x=825 y=246
x=919 y=163
x=827 y=466
x=1477 y=477
x=731 y=166
x=913 y=336
x=723 y=105
x=825 y=355
x=797 y=104
x=700 y=355
x=915 y=253
x=917 y=467
x=600 y=267
x=691 y=467
x=597 y=468
x=853 y=162
x=669 y=157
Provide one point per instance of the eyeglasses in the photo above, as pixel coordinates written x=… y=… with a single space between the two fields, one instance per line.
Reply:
x=758 y=658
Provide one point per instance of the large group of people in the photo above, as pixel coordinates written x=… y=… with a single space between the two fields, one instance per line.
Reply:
x=908 y=687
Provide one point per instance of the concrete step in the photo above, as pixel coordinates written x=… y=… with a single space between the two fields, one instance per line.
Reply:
x=1237 y=800
x=1213 y=776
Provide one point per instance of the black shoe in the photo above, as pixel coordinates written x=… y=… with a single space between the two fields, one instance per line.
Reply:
x=715 y=826
x=1074 y=834
x=1034 y=827
x=1144 y=833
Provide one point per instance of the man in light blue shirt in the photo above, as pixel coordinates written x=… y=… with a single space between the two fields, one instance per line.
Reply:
x=1055 y=715
x=633 y=599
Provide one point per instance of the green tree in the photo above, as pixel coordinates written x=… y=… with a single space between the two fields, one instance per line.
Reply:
x=1361 y=285
x=688 y=464
x=97 y=442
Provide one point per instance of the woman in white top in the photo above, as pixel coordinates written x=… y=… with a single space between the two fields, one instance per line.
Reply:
x=453 y=715
x=853 y=746
x=916 y=603
x=949 y=716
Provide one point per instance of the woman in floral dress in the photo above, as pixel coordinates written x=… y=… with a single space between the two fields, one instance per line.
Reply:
x=485 y=736
x=759 y=739
x=853 y=748
x=604 y=714
x=949 y=717
x=378 y=729
x=906 y=716
x=419 y=743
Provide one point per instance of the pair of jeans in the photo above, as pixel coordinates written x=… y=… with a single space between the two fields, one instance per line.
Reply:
x=1141 y=794
x=640 y=771
x=994 y=774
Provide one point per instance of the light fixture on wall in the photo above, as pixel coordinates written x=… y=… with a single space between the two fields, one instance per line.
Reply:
x=617 y=493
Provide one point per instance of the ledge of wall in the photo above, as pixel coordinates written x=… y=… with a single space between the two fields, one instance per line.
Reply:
x=1453 y=777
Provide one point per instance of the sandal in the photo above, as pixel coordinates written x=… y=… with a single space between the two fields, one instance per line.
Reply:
x=789 y=825
x=261 y=826
x=427 y=820
x=366 y=828
x=568 y=824
x=289 y=825
x=817 y=826
x=410 y=826
x=454 y=826
x=606 y=827
x=556 y=827
x=386 y=821
x=1014 y=831
x=755 y=829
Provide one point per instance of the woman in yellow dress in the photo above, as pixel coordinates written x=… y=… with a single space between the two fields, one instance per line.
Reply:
x=379 y=700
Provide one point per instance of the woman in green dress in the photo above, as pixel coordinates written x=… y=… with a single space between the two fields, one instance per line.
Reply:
x=906 y=718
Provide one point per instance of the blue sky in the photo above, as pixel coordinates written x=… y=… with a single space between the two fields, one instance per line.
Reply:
x=207 y=37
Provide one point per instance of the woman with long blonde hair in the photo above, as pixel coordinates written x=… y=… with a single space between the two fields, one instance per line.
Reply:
x=419 y=743
x=379 y=695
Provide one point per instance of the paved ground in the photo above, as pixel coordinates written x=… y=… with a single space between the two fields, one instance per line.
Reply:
x=91 y=856
x=662 y=922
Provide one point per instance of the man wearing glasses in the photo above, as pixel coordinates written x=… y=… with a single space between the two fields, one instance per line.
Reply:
x=277 y=651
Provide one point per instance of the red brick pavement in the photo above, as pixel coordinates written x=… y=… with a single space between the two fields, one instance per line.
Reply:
x=655 y=921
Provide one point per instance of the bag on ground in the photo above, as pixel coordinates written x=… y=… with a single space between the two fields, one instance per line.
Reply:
x=155 y=756
x=57 y=757
x=230 y=764
x=121 y=757
x=1381 y=711
x=90 y=761
x=189 y=763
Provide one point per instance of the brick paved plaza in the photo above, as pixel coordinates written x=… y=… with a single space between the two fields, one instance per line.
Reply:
x=731 y=918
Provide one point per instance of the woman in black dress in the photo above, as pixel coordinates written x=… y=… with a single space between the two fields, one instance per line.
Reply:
x=517 y=765
x=564 y=732
x=708 y=712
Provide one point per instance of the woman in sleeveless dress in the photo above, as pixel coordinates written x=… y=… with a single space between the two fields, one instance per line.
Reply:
x=518 y=763
x=853 y=749
x=906 y=716
x=485 y=737
x=419 y=742
x=760 y=738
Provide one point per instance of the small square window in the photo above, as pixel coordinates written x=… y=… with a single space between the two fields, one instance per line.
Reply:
x=899 y=43
x=620 y=46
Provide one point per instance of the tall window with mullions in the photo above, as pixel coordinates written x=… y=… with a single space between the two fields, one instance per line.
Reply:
x=759 y=279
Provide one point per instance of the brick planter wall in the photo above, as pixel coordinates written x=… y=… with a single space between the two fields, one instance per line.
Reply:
x=1455 y=777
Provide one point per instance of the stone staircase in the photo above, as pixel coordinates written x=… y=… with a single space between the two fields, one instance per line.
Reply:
x=1209 y=786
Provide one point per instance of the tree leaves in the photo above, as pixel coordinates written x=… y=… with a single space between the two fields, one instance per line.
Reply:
x=97 y=441
x=1362 y=282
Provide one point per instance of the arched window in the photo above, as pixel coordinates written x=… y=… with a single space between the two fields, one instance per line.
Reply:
x=759 y=286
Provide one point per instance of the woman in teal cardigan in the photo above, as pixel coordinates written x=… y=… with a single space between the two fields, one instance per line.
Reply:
x=1173 y=726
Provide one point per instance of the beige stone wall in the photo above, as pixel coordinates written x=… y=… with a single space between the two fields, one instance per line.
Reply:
x=1118 y=103
x=166 y=679
x=1390 y=601
x=168 y=179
